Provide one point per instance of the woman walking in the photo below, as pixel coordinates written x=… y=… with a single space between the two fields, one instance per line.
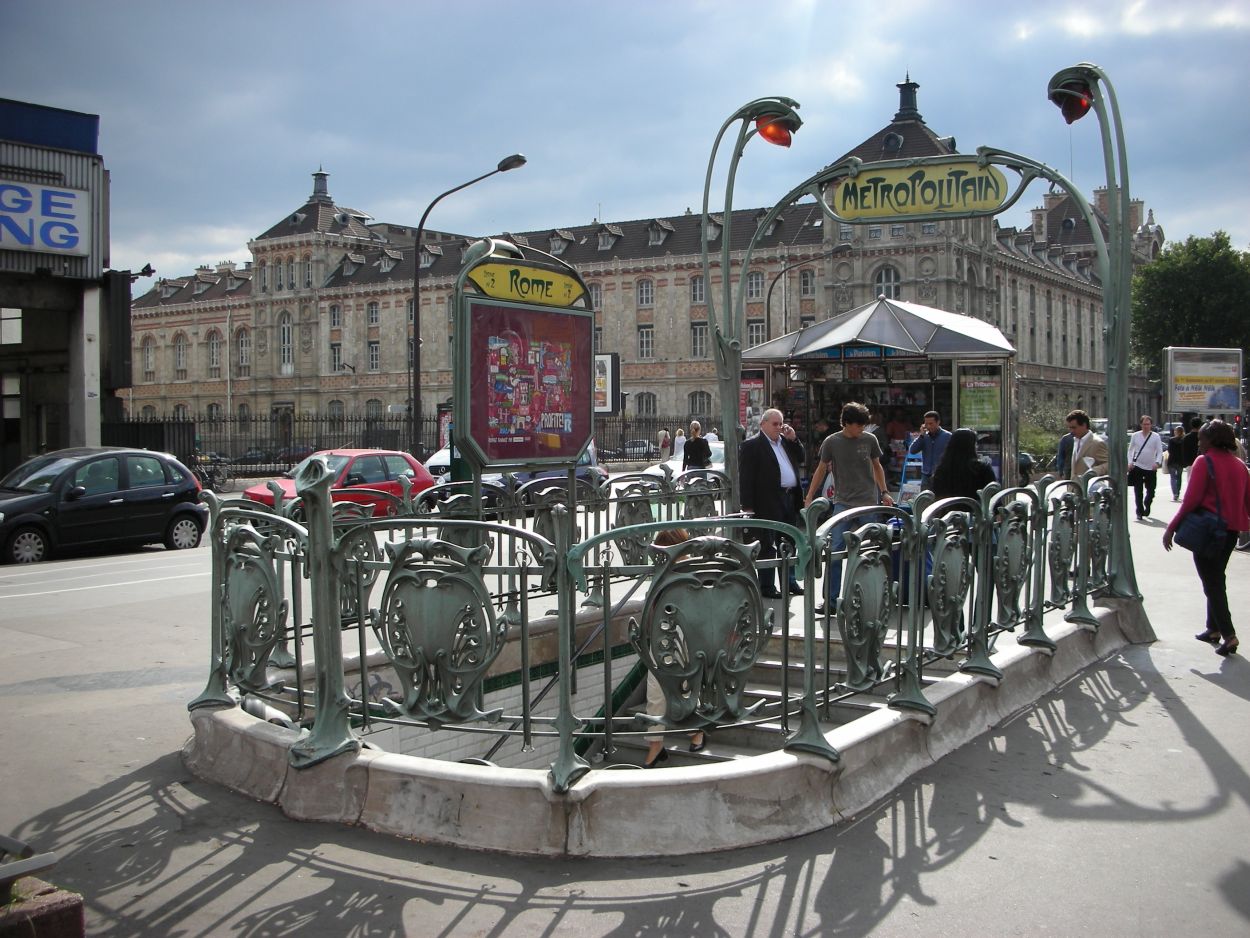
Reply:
x=1219 y=483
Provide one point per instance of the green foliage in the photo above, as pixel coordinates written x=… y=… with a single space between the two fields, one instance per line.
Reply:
x=1196 y=293
x=1040 y=427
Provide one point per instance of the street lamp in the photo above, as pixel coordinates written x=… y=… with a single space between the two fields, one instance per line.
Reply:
x=775 y=119
x=1076 y=91
x=414 y=373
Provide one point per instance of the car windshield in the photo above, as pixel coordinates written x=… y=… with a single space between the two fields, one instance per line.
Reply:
x=335 y=461
x=37 y=475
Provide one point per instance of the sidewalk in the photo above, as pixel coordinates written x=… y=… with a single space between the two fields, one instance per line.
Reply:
x=1119 y=805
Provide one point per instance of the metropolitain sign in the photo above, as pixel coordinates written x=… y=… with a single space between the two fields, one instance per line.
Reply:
x=897 y=192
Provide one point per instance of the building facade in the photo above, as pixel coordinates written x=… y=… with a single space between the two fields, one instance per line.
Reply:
x=320 y=322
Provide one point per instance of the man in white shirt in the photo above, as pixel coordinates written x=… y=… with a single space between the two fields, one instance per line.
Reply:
x=1145 y=456
x=769 y=474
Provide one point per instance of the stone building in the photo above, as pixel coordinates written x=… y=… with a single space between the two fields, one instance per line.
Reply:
x=320 y=321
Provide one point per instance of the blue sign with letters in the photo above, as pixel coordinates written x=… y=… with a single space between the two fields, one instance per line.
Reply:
x=45 y=219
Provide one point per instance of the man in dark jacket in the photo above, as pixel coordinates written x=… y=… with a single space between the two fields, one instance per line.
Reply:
x=769 y=472
x=1189 y=446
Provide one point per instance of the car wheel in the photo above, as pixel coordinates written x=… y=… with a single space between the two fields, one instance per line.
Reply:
x=27 y=545
x=183 y=533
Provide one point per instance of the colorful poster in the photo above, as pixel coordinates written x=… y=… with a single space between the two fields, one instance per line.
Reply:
x=532 y=387
x=751 y=400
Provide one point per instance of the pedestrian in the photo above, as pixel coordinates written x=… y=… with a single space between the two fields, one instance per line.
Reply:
x=770 y=466
x=930 y=443
x=665 y=443
x=679 y=442
x=1063 y=455
x=1219 y=483
x=853 y=457
x=696 y=454
x=1176 y=459
x=1145 y=456
x=961 y=473
x=1089 y=450
x=713 y=435
x=1191 y=443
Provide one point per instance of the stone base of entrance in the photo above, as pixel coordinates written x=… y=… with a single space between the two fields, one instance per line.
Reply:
x=617 y=813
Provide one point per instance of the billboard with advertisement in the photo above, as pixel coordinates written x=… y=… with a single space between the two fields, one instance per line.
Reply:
x=530 y=398
x=1203 y=380
x=608 y=383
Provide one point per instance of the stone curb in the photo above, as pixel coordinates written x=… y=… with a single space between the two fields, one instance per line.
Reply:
x=721 y=806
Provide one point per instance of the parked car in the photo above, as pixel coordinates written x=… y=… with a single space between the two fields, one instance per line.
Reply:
x=92 y=495
x=289 y=455
x=588 y=469
x=359 y=474
x=639 y=450
x=253 y=457
x=674 y=462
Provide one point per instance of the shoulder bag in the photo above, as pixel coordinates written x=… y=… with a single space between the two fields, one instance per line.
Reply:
x=1201 y=531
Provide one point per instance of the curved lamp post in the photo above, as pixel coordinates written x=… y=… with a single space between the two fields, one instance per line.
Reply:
x=1076 y=91
x=414 y=373
x=775 y=119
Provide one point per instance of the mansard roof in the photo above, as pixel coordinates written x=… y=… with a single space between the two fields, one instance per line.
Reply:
x=905 y=137
x=204 y=286
x=320 y=215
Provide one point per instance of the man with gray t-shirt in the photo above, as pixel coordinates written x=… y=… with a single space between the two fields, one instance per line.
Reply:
x=852 y=458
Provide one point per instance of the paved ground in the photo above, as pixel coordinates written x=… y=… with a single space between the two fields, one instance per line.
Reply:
x=1120 y=805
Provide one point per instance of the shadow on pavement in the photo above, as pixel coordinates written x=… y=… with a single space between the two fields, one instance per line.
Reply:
x=157 y=852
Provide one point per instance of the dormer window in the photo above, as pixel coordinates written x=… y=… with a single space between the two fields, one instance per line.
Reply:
x=605 y=240
x=558 y=245
x=657 y=231
x=713 y=227
x=760 y=216
x=428 y=254
x=201 y=286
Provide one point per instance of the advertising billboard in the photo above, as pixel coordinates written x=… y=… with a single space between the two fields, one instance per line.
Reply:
x=1203 y=380
x=530 y=399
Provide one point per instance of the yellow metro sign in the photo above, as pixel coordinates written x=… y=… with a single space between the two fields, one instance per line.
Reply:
x=942 y=188
x=525 y=283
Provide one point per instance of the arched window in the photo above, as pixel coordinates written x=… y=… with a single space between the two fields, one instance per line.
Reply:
x=263 y=276
x=214 y=354
x=373 y=409
x=408 y=305
x=645 y=404
x=645 y=292
x=243 y=353
x=286 y=345
x=335 y=411
x=596 y=296
x=807 y=283
x=307 y=271
x=147 y=355
x=290 y=273
x=888 y=283
x=181 y=347
x=700 y=403
x=755 y=285
x=148 y=412
x=181 y=412
x=372 y=316
x=336 y=316
x=213 y=412
x=698 y=289
x=245 y=413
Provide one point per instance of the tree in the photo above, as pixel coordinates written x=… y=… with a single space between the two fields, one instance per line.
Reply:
x=1196 y=293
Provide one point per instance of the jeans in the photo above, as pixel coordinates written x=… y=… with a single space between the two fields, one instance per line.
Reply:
x=1177 y=474
x=1146 y=478
x=1211 y=573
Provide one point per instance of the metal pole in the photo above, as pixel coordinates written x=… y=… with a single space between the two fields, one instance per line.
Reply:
x=414 y=373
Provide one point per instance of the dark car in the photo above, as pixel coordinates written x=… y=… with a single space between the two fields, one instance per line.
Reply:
x=98 y=495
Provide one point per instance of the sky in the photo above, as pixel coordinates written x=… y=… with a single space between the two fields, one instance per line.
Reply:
x=213 y=116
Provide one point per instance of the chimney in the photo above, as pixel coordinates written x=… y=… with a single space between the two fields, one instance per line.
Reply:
x=320 y=192
x=1039 y=224
x=907 y=101
x=225 y=267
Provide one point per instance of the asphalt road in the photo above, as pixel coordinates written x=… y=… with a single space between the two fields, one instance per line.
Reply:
x=1119 y=805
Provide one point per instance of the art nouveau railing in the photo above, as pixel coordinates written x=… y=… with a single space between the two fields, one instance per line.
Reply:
x=437 y=589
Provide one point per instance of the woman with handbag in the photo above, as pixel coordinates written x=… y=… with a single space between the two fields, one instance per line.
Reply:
x=1216 y=508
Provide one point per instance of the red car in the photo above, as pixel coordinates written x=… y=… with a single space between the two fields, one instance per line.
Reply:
x=358 y=475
